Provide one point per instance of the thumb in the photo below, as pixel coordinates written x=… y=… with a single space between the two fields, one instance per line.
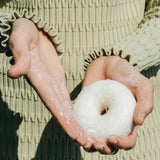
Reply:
x=21 y=66
x=144 y=102
x=141 y=111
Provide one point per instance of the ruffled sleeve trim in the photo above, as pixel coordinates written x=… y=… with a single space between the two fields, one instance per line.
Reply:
x=142 y=48
x=105 y=52
x=6 y=21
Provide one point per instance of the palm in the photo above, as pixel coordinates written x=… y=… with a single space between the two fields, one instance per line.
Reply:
x=41 y=65
x=120 y=70
x=35 y=57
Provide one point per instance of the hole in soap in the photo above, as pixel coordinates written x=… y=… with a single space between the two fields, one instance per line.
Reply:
x=104 y=110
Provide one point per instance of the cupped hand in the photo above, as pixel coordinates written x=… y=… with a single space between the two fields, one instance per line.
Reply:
x=115 y=68
x=36 y=58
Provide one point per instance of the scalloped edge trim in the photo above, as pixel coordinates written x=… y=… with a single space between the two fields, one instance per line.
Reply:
x=5 y=28
x=105 y=52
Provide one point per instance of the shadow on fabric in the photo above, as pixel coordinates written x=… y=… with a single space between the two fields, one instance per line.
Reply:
x=4 y=2
x=55 y=144
x=151 y=72
x=9 y=123
x=76 y=91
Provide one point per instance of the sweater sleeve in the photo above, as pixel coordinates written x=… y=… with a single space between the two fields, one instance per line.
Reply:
x=142 y=48
x=7 y=19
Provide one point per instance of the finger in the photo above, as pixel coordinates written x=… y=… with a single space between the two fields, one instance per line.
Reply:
x=82 y=138
x=89 y=146
x=141 y=111
x=144 y=105
x=102 y=147
x=124 y=142
x=20 y=67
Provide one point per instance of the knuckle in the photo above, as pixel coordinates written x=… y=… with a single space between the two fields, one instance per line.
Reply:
x=134 y=143
x=148 y=88
x=131 y=144
x=149 y=84
x=150 y=108
x=146 y=84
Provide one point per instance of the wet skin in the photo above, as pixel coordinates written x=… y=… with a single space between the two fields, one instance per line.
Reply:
x=36 y=58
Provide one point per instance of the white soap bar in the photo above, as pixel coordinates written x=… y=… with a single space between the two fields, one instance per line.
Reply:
x=104 y=109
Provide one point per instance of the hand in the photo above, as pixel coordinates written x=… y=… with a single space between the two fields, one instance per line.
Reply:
x=36 y=58
x=115 y=68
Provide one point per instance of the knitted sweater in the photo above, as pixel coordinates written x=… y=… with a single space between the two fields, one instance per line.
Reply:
x=81 y=31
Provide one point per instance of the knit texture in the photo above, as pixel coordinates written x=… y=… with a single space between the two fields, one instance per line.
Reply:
x=7 y=19
x=81 y=31
x=141 y=48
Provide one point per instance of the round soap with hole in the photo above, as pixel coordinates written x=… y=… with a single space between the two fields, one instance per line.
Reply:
x=104 y=109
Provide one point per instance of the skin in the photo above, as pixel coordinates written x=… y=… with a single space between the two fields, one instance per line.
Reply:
x=118 y=69
x=35 y=57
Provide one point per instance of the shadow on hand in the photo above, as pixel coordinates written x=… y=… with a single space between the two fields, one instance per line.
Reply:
x=9 y=123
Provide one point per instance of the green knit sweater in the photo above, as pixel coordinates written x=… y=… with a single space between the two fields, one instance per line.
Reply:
x=81 y=31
